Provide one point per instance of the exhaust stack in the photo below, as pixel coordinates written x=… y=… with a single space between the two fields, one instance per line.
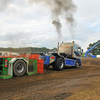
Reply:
x=58 y=48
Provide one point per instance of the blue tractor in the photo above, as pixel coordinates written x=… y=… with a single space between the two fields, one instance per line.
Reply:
x=68 y=54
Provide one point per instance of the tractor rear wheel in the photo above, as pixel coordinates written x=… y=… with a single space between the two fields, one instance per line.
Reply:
x=59 y=64
x=19 y=68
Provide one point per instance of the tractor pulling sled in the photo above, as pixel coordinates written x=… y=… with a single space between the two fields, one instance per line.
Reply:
x=68 y=54
x=19 y=65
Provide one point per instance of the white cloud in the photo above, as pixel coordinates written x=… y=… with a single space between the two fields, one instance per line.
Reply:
x=24 y=24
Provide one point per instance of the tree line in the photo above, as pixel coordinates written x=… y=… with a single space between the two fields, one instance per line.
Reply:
x=29 y=49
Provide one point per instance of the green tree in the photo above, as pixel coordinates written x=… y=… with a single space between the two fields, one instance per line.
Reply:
x=96 y=50
x=83 y=54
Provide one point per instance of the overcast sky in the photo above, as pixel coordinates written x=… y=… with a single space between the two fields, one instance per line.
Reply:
x=30 y=25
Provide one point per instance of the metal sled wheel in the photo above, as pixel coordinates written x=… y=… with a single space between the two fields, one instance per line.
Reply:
x=19 y=68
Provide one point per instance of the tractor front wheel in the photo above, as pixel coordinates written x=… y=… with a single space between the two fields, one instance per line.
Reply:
x=77 y=64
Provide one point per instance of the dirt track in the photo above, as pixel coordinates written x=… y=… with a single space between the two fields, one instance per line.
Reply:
x=52 y=85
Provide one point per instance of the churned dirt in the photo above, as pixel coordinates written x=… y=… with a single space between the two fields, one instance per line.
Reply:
x=69 y=84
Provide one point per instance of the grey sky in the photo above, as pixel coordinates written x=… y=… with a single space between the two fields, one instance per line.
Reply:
x=23 y=24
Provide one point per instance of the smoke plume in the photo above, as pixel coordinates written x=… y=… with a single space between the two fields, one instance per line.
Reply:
x=58 y=27
x=4 y=4
x=60 y=8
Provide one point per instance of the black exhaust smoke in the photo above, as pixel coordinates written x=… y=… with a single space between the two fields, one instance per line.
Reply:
x=59 y=8
x=62 y=8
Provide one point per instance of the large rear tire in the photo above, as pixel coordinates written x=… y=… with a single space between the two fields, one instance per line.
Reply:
x=19 y=68
x=59 y=64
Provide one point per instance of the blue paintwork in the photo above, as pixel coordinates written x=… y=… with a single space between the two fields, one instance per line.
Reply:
x=46 y=59
x=87 y=52
x=70 y=62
